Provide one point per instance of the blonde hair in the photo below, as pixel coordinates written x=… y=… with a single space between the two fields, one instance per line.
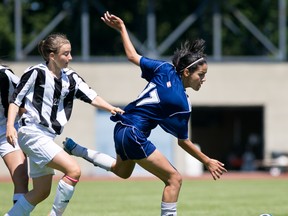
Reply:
x=51 y=44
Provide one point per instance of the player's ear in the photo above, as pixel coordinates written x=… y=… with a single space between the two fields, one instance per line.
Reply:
x=51 y=55
x=186 y=72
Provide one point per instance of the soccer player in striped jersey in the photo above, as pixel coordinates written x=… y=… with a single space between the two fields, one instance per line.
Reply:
x=13 y=157
x=163 y=102
x=48 y=91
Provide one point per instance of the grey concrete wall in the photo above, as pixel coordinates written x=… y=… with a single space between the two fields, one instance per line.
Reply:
x=227 y=84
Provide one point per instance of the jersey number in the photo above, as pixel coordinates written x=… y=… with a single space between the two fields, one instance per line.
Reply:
x=152 y=98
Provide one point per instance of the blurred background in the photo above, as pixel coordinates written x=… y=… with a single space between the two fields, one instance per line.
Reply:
x=240 y=116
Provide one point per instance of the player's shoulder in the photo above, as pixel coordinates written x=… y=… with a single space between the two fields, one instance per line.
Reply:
x=7 y=73
x=37 y=67
x=156 y=65
x=3 y=68
x=3 y=71
x=149 y=61
x=70 y=72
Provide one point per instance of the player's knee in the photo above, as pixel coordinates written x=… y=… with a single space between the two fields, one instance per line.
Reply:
x=123 y=170
x=122 y=173
x=20 y=182
x=21 y=185
x=20 y=177
x=74 y=172
x=21 y=172
x=175 y=180
x=125 y=175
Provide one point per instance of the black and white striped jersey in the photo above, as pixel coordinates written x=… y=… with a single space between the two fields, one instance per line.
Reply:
x=49 y=100
x=8 y=81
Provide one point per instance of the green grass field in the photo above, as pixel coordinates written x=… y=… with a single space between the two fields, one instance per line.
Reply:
x=248 y=197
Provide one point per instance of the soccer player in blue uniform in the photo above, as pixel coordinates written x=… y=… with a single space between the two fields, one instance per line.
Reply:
x=48 y=91
x=13 y=157
x=163 y=102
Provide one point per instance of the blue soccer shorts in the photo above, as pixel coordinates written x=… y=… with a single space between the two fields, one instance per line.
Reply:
x=131 y=144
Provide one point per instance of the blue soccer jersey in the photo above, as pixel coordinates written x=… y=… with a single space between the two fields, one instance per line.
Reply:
x=163 y=102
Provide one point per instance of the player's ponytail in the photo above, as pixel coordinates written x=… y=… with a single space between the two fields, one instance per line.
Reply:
x=190 y=55
x=41 y=50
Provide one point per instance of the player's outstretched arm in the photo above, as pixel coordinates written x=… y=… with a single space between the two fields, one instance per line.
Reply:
x=118 y=24
x=100 y=103
x=216 y=168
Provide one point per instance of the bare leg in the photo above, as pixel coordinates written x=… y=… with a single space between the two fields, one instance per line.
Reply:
x=122 y=168
x=16 y=163
x=66 y=164
x=41 y=189
x=159 y=166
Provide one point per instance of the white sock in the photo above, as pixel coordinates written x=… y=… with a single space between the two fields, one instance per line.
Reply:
x=168 y=209
x=97 y=158
x=17 y=196
x=63 y=195
x=21 y=208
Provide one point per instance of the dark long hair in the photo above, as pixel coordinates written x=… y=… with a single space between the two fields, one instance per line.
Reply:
x=188 y=53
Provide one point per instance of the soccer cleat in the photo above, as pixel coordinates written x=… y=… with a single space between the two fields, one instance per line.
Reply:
x=69 y=145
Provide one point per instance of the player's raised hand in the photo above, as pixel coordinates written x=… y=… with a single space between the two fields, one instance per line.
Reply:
x=216 y=168
x=112 y=21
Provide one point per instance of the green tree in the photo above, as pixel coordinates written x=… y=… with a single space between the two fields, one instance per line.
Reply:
x=6 y=32
x=236 y=39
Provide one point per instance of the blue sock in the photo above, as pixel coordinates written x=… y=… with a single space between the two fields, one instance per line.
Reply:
x=21 y=208
x=17 y=196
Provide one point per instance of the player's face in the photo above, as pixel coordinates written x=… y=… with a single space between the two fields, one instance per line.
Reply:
x=197 y=78
x=63 y=57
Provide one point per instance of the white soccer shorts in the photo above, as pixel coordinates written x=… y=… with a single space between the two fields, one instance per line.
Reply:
x=40 y=149
x=6 y=147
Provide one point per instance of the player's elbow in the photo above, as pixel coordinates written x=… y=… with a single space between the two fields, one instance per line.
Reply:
x=134 y=58
x=180 y=142
x=183 y=142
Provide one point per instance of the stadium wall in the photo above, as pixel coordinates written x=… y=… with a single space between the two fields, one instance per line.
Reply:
x=228 y=84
